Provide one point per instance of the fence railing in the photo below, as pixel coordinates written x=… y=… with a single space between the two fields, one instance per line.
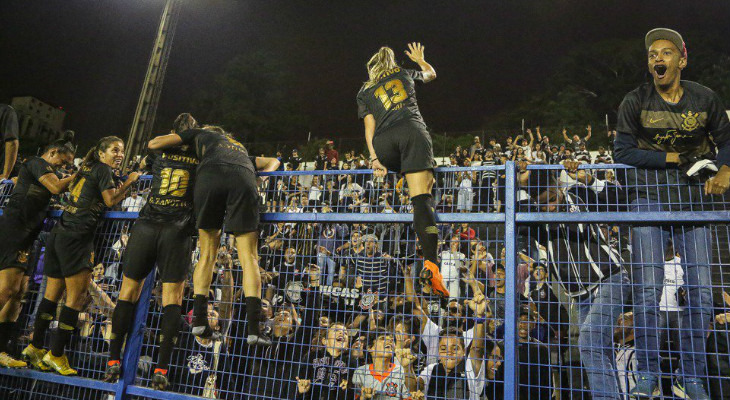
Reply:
x=565 y=260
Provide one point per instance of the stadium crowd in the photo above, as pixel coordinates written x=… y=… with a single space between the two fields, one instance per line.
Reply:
x=339 y=310
x=339 y=297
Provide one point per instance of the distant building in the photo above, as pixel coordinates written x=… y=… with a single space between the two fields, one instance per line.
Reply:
x=39 y=123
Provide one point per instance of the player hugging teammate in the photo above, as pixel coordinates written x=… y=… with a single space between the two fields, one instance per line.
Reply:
x=161 y=235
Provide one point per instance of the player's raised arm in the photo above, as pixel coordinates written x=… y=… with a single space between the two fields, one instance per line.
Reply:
x=165 y=141
x=416 y=53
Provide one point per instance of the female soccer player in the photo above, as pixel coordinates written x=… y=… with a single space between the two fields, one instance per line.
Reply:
x=398 y=140
x=20 y=224
x=163 y=235
x=69 y=248
x=225 y=195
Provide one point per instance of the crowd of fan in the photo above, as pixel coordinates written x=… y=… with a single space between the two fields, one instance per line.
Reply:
x=532 y=147
x=463 y=191
x=339 y=297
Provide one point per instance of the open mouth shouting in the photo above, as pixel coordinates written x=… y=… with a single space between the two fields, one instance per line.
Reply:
x=660 y=71
x=341 y=340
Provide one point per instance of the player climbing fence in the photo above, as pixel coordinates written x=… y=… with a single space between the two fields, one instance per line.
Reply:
x=543 y=267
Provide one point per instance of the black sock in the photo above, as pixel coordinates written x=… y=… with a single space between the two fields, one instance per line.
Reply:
x=122 y=321
x=67 y=320
x=424 y=223
x=200 y=310
x=253 y=315
x=45 y=314
x=169 y=332
x=6 y=328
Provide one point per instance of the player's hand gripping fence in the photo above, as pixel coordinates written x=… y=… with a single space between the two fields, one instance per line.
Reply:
x=564 y=284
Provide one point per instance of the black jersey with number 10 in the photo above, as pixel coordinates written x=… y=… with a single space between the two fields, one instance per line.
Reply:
x=171 y=193
x=391 y=100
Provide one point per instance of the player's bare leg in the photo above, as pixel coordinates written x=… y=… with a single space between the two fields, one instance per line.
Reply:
x=12 y=292
x=209 y=240
x=247 y=246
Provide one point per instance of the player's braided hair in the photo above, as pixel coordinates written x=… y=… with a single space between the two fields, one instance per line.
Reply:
x=215 y=128
x=378 y=64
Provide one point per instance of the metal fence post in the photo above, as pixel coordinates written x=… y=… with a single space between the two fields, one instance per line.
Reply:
x=511 y=380
x=133 y=346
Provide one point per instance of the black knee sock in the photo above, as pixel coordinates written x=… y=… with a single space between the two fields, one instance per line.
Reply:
x=253 y=315
x=67 y=320
x=424 y=223
x=122 y=321
x=6 y=329
x=169 y=332
x=45 y=314
x=200 y=310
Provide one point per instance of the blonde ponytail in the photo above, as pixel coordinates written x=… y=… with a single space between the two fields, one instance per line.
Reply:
x=379 y=64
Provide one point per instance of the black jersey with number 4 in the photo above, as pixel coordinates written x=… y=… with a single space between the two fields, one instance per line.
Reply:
x=30 y=198
x=86 y=201
x=392 y=99
x=171 y=193
x=215 y=148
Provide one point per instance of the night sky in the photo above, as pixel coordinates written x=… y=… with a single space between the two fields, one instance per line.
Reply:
x=89 y=57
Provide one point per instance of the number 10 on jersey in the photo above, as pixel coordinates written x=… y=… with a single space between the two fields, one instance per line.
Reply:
x=174 y=182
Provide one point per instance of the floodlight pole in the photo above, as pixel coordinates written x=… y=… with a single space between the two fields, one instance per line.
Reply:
x=144 y=116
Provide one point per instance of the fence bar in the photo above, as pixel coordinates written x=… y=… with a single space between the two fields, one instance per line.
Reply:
x=644 y=218
x=59 y=379
x=510 y=318
x=135 y=337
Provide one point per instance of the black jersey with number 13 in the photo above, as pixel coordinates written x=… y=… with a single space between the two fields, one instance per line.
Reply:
x=391 y=100
x=171 y=194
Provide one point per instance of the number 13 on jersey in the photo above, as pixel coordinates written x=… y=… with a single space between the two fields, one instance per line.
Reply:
x=397 y=93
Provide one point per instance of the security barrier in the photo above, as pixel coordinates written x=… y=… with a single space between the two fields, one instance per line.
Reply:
x=560 y=256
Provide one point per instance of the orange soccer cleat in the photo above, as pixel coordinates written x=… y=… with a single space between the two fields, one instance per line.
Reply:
x=431 y=276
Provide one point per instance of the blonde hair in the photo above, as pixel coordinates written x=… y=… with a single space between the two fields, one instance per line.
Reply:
x=379 y=63
x=215 y=128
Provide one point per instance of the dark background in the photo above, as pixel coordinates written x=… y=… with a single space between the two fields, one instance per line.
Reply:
x=90 y=57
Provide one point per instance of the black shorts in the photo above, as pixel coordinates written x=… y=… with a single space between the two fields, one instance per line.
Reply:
x=67 y=254
x=405 y=147
x=16 y=242
x=167 y=244
x=226 y=195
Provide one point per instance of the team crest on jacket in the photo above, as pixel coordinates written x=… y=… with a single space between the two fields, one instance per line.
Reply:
x=391 y=389
x=690 y=121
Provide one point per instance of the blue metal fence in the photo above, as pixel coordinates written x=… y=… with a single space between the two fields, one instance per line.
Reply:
x=549 y=223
